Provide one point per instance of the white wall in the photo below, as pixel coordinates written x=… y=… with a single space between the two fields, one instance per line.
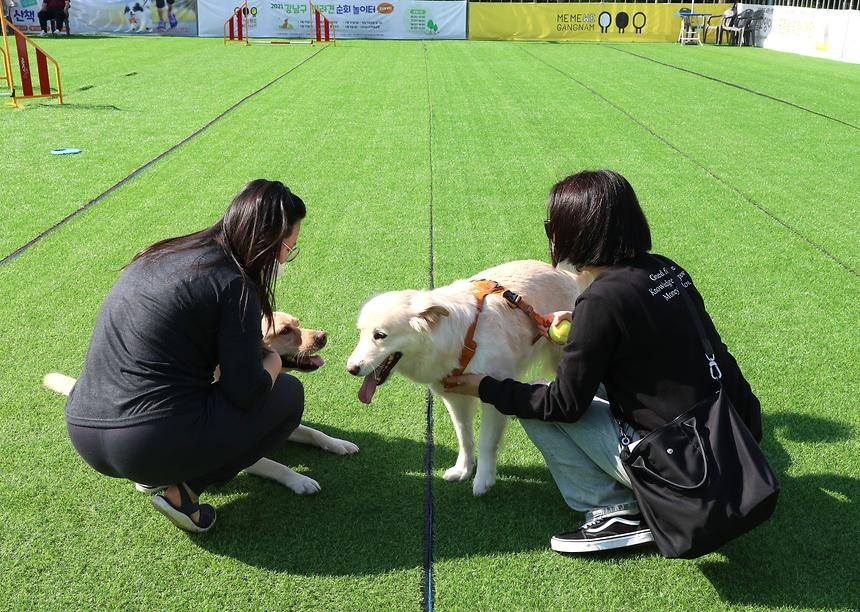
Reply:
x=806 y=31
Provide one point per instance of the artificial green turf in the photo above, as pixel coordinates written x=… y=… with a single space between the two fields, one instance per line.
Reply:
x=767 y=289
x=819 y=85
x=139 y=98
x=353 y=131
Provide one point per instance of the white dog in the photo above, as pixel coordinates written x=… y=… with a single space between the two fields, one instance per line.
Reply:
x=422 y=334
x=296 y=346
x=138 y=17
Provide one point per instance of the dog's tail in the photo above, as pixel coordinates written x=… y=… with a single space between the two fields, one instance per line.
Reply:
x=60 y=383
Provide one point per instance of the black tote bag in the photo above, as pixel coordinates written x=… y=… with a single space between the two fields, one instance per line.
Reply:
x=700 y=480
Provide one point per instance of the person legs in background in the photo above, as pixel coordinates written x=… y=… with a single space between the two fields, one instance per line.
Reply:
x=54 y=11
x=61 y=21
x=583 y=458
x=45 y=15
x=171 y=17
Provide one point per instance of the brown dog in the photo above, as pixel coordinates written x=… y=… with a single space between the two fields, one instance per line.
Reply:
x=297 y=348
x=295 y=345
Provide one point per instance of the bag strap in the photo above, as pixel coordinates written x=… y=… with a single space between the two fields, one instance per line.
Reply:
x=710 y=355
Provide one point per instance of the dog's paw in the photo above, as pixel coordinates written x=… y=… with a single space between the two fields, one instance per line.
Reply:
x=340 y=447
x=482 y=484
x=457 y=473
x=302 y=485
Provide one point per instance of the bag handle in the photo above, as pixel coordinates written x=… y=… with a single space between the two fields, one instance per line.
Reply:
x=640 y=463
x=710 y=355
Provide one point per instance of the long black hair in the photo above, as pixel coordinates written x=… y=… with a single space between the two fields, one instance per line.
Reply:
x=594 y=219
x=251 y=232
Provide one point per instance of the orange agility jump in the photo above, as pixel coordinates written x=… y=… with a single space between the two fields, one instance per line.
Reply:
x=237 y=29
x=323 y=28
x=236 y=26
x=22 y=46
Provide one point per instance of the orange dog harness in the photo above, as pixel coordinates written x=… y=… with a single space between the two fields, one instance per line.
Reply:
x=482 y=288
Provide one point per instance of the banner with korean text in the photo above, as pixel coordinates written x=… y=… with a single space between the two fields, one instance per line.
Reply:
x=391 y=19
x=627 y=22
x=116 y=17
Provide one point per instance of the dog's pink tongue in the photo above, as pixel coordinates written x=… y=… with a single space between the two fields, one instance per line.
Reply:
x=368 y=388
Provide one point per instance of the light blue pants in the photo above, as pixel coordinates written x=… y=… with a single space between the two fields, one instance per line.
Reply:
x=583 y=458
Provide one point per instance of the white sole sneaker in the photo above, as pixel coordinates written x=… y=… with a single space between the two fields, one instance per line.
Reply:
x=605 y=533
x=149 y=490
x=180 y=519
x=598 y=544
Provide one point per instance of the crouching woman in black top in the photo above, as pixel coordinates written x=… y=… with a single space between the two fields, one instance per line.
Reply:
x=145 y=407
x=632 y=332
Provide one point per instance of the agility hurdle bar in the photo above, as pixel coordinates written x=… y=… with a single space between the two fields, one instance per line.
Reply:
x=236 y=27
x=42 y=59
x=324 y=29
x=283 y=42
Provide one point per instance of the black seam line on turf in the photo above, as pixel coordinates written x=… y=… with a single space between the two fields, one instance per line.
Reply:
x=427 y=586
x=735 y=85
x=707 y=170
x=149 y=164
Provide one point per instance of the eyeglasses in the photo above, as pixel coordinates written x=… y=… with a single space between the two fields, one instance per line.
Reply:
x=292 y=252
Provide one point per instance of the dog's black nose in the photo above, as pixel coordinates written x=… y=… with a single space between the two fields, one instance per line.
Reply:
x=320 y=339
x=353 y=369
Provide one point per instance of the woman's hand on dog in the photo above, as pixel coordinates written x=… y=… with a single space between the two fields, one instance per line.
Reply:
x=467 y=384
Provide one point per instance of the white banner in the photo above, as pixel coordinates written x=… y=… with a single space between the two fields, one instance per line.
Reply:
x=831 y=34
x=392 y=19
x=177 y=18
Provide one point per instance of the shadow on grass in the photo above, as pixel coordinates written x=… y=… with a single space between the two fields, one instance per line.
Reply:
x=806 y=555
x=369 y=517
x=71 y=106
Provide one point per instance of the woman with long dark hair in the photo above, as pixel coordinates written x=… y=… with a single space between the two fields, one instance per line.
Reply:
x=631 y=332
x=145 y=407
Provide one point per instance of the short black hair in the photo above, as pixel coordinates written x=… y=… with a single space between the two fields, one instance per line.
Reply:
x=594 y=219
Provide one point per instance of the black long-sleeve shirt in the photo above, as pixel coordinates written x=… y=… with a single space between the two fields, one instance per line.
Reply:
x=632 y=331
x=161 y=331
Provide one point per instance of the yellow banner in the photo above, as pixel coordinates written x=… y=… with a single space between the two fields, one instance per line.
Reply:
x=584 y=22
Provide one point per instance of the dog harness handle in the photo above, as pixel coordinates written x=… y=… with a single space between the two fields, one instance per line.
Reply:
x=481 y=289
x=518 y=302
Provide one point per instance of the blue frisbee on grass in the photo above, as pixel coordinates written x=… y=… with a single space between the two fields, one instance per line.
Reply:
x=65 y=151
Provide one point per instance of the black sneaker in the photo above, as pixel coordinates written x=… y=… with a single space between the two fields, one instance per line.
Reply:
x=604 y=534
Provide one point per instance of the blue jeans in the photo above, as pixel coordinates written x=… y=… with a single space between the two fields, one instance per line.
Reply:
x=583 y=458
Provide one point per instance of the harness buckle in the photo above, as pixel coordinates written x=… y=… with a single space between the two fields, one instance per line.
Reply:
x=512 y=297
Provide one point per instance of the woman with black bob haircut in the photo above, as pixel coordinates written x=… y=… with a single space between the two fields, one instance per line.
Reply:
x=595 y=220
x=184 y=311
x=632 y=346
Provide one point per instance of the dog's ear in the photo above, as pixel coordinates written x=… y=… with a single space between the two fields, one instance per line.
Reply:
x=428 y=318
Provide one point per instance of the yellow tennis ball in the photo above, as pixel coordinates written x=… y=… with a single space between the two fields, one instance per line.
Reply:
x=558 y=332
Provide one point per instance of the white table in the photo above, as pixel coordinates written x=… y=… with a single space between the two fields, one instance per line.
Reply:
x=692 y=25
